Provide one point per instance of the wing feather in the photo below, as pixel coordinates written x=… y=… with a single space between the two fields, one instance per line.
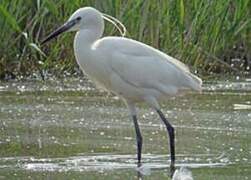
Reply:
x=143 y=66
x=147 y=71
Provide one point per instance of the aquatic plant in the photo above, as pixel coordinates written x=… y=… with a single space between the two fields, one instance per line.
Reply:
x=209 y=36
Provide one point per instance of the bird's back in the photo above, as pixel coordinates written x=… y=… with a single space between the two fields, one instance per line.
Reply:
x=136 y=48
x=144 y=67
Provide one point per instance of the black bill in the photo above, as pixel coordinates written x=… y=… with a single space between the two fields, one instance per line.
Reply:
x=61 y=29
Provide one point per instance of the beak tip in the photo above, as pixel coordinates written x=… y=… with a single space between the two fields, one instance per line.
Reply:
x=46 y=40
x=43 y=41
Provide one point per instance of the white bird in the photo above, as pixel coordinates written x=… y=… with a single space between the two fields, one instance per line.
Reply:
x=130 y=69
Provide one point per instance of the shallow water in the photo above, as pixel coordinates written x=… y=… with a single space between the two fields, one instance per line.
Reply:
x=69 y=130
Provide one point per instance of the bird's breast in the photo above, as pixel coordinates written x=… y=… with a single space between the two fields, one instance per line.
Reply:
x=95 y=69
x=92 y=61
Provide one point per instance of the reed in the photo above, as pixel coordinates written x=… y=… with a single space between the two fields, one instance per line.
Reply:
x=209 y=36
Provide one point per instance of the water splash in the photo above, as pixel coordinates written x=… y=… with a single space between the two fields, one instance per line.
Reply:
x=106 y=162
x=182 y=174
x=144 y=170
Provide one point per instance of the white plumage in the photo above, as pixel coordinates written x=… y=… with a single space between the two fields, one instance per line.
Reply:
x=128 y=68
x=134 y=71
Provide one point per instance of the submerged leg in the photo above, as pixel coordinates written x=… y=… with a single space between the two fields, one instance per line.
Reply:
x=138 y=139
x=170 y=130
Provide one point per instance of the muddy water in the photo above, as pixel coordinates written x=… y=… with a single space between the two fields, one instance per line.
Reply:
x=69 y=130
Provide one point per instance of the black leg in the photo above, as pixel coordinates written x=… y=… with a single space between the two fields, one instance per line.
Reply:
x=170 y=130
x=138 y=138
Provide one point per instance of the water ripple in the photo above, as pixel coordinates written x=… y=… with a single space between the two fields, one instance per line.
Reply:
x=102 y=162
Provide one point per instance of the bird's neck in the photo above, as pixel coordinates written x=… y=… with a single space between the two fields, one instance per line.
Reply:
x=83 y=41
x=87 y=37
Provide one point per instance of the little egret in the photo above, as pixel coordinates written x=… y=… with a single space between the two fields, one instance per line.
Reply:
x=130 y=69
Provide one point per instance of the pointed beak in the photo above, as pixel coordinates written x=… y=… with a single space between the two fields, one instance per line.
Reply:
x=61 y=29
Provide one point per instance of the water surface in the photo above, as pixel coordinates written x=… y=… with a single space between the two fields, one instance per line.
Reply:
x=70 y=130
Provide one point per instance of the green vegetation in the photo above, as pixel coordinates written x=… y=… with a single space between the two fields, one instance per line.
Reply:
x=210 y=36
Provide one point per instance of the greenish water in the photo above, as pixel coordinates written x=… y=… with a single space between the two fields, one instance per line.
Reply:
x=69 y=130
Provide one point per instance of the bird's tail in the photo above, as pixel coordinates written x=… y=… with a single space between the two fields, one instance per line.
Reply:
x=195 y=82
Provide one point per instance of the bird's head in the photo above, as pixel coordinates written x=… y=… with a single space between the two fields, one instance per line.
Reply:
x=83 y=18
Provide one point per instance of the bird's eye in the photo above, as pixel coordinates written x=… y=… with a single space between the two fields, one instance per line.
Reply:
x=78 y=18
